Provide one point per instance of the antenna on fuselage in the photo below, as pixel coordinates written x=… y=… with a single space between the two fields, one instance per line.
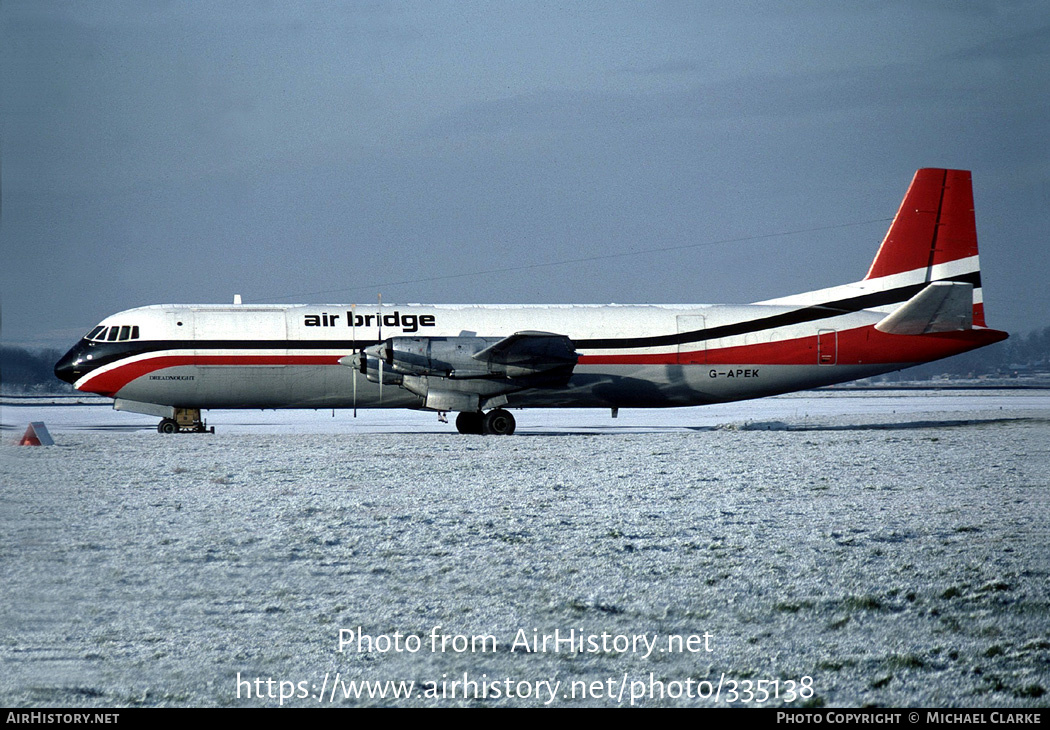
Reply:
x=379 y=321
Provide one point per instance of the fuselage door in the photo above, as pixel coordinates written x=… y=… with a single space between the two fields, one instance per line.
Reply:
x=827 y=347
x=242 y=356
x=692 y=348
x=181 y=322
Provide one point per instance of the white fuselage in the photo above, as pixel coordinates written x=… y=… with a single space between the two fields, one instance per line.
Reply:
x=287 y=356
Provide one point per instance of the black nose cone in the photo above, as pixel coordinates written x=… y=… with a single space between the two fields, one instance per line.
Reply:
x=67 y=367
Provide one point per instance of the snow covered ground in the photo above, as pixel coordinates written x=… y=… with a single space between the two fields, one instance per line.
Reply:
x=818 y=409
x=893 y=549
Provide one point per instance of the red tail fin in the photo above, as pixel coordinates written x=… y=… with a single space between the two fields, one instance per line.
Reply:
x=934 y=225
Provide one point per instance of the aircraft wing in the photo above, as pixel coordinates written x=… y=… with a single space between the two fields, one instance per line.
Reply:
x=530 y=352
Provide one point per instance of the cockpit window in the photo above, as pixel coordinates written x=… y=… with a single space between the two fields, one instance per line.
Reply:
x=118 y=332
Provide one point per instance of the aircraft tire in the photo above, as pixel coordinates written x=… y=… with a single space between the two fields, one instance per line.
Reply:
x=168 y=425
x=498 y=422
x=467 y=422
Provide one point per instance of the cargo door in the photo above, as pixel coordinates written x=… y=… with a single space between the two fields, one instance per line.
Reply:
x=242 y=355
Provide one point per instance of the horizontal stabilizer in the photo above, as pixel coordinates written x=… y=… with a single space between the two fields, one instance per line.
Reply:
x=943 y=306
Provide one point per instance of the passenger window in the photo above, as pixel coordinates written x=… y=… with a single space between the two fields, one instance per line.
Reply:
x=113 y=332
x=125 y=332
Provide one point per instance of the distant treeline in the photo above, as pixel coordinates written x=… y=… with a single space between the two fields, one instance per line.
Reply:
x=1019 y=355
x=24 y=370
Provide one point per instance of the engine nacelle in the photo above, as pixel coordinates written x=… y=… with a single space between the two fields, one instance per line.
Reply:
x=445 y=357
x=372 y=370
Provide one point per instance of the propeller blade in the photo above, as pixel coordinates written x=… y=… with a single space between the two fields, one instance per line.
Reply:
x=353 y=336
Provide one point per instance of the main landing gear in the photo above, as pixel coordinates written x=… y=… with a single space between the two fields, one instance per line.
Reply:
x=498 y=422
x=187 y=420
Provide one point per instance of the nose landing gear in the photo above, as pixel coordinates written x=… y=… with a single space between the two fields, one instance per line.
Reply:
x=187 y=420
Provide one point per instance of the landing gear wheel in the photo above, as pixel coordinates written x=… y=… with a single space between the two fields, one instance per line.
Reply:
x=498 y=422
x=467 y=422
x=168 y=425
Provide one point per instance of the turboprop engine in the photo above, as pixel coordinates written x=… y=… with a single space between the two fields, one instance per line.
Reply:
x=446 y=357
x=476 y=357
x=468 y=373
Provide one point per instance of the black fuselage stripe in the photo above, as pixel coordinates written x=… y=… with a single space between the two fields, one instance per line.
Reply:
x=799 y=316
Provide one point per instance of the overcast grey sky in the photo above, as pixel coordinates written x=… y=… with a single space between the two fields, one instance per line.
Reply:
x=324 y=152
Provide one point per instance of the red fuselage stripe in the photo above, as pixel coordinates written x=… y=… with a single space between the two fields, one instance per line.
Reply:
x=860 y=346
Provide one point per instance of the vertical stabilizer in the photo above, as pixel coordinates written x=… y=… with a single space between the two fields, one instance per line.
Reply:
x=934 y=235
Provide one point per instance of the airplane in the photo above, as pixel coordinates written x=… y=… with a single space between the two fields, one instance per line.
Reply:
x=921 y=300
